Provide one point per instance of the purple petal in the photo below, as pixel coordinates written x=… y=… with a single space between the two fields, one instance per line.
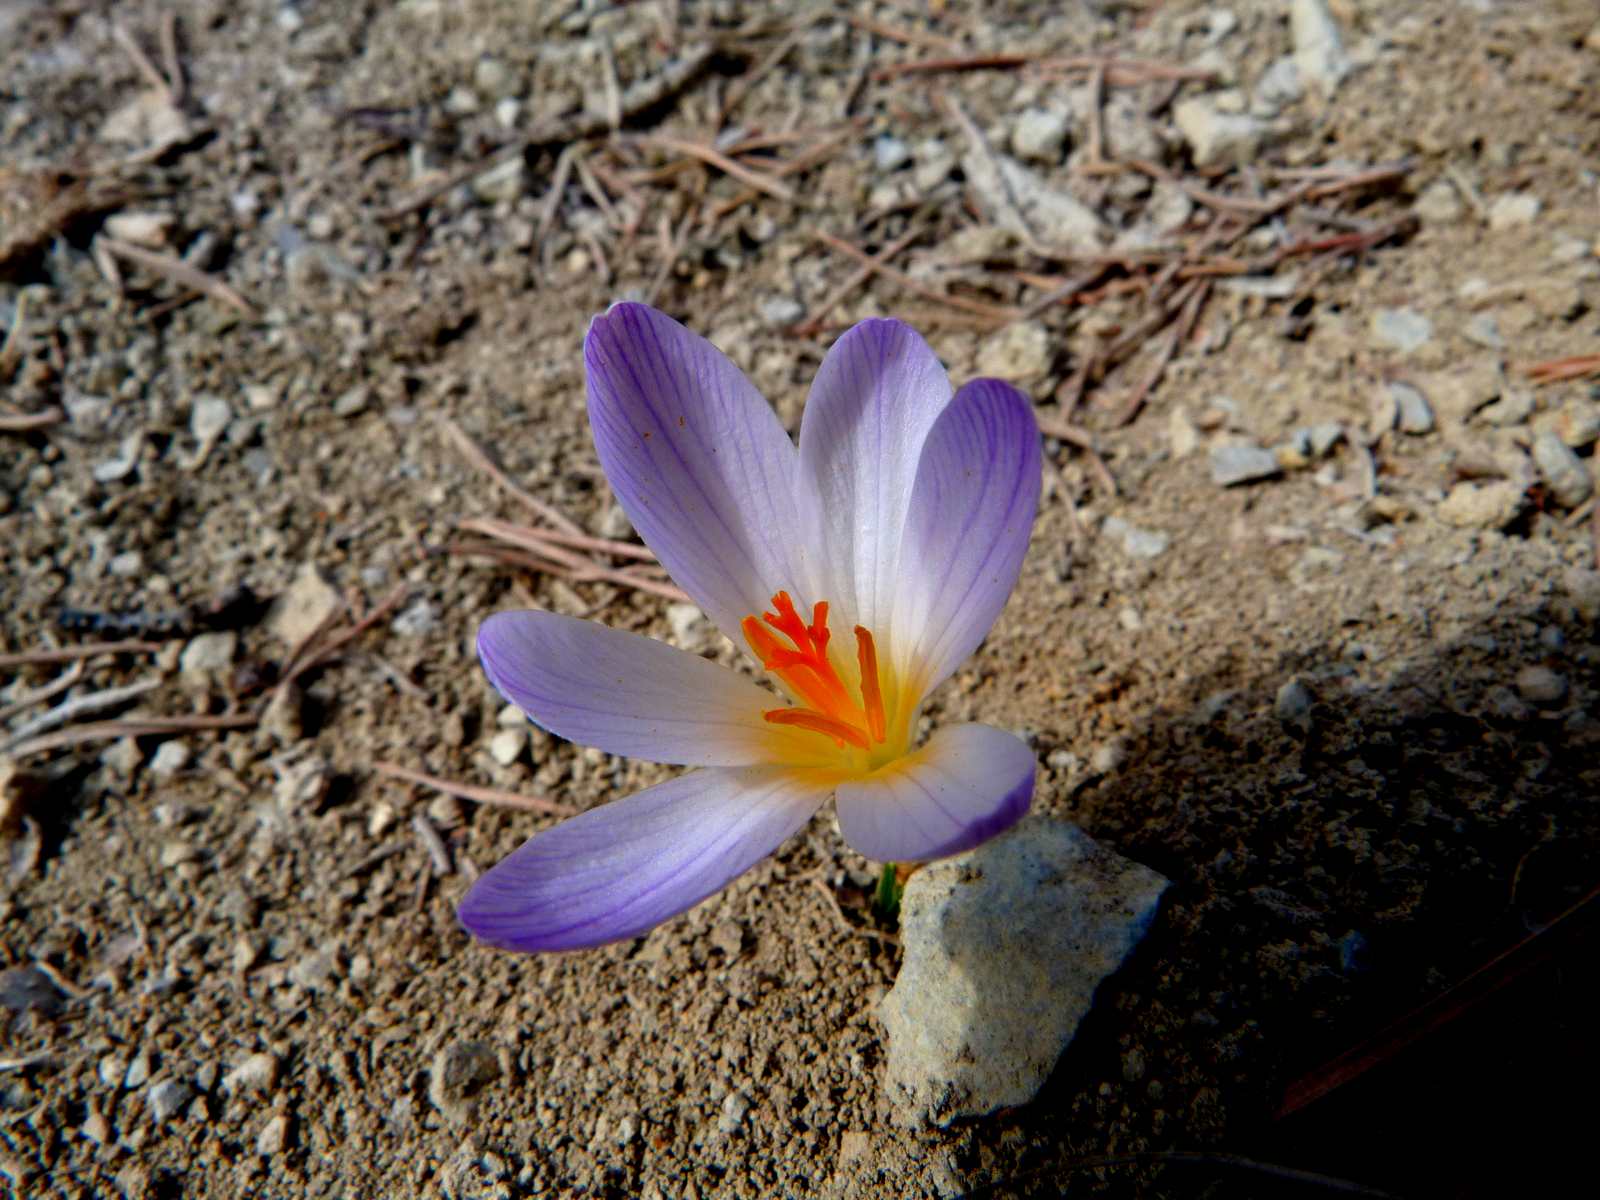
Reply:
x=875 y=398
x=697 y=458
x=967 y=784
x=632 y=695
x=616 y=871
x=971 y=514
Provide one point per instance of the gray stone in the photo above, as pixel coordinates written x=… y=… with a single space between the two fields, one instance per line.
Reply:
x=1578 y=424
x=1004 y=947
x=114 y=470
x=890 y=153
x=1415 y=415
x=208 y=656
x=1242 y=464
x=1136 y=542
x=1483 y=330
x=1542 y=686
x=166 y=1099
x=1483 y=505
x=138 y=1071
x=310 y=602
x=170 y=758
x=1568 y=476
x=1323 y=437
x=735 y=1107
x=1040 y=134
x=258 y=1072
x=353 y=402
x=460 y=1070
x=1458 y=394
x=1292 y=705
x=1513 y=209
x=779 y=311
x=25 y=988
x=1279 y=85
x=418 y=619
x=1511 y=409
x=1402 y=329
x=1218 y=138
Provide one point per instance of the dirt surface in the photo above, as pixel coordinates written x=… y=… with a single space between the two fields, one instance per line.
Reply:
x=235 y=964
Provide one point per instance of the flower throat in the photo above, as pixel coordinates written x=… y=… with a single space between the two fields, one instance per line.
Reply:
x=804 y=667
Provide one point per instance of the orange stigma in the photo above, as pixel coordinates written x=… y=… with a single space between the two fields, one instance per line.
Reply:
x=804 y=667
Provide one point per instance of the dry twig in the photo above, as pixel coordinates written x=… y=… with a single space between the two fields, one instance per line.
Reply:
x=105 y=731
x=467 y=791
x=475 y=455
x=178 y=271
x=998 y=314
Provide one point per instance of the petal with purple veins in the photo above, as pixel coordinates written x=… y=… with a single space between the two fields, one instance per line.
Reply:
x=967 y=784
x=632 y=695
x=697 y=459
x=972 y=512
x=875 y=398
x=617 y=871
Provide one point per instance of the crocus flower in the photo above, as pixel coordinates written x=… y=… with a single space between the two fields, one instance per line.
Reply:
x=859 y=570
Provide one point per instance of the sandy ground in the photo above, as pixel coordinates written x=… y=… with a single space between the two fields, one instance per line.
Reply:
x=236 y=965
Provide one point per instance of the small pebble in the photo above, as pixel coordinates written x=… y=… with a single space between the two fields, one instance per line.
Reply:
x=208 y=418
x=170 y=758
x=461 y=1069
x=1578 y=424
x=1510 y=410
x=1136 y=542
x=890 y=153
x=1415 y=415
x=1439 y=203
x=274 y=1135
x=507 y=745
x=1483 y=505
x=735 y=1107
x=1513 y=209
x=418 y=620
x=175 y=853
x=258 y=1073
x=1540 y=685
x=1567 y=474
x=1216 y=137
x=1293 y=704
x=165 y=1099
x=354 y=402
x=445 y=812
x=138 y=1071
x=780 y=311
x=1402 y=329
x=1236 y=464
x=1040 y=134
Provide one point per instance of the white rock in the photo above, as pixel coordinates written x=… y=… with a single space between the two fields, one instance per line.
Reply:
x=1039 y=134
x=1279 y=85
x=506 y=746
x=208 y=655
x=274 y=1135
x=735 y=1107
x=309 y=603
x=1483 y=505
x=1004 y=947
x=1018 y=200
x=114 y=470
x=1318 y=48
x=1218 y=138
x=1439 y=203
x=1513 y=209
x=1414 y=414
x=691 y=629
x=1242 y=464
x=209 y=418
x=890 y=153
x=419 y=619
x=170 y=758
x=1022 y=352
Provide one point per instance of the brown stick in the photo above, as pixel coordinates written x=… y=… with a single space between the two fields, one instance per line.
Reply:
x=991 y=312
x=728 y=166
x=320 y=654
x=28 y=422
x=28 y=658
x=467 y=791
x=179 y=272
x=1556 y=370
x=812 y=325
x=471 y=451
x=103 y=731
x=1191 y=312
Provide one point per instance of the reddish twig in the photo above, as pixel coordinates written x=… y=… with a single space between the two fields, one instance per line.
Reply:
x=812 y=325
x=992 y=312
x=27 y=658
x=475 y=455
x=1557 y=370
x=103 y=731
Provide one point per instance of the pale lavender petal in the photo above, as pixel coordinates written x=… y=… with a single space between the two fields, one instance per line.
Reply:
x=874 y=400
x=967 y=784
x=697 y=459
x=971 y=514
x=616 y=871
x=632 y=695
